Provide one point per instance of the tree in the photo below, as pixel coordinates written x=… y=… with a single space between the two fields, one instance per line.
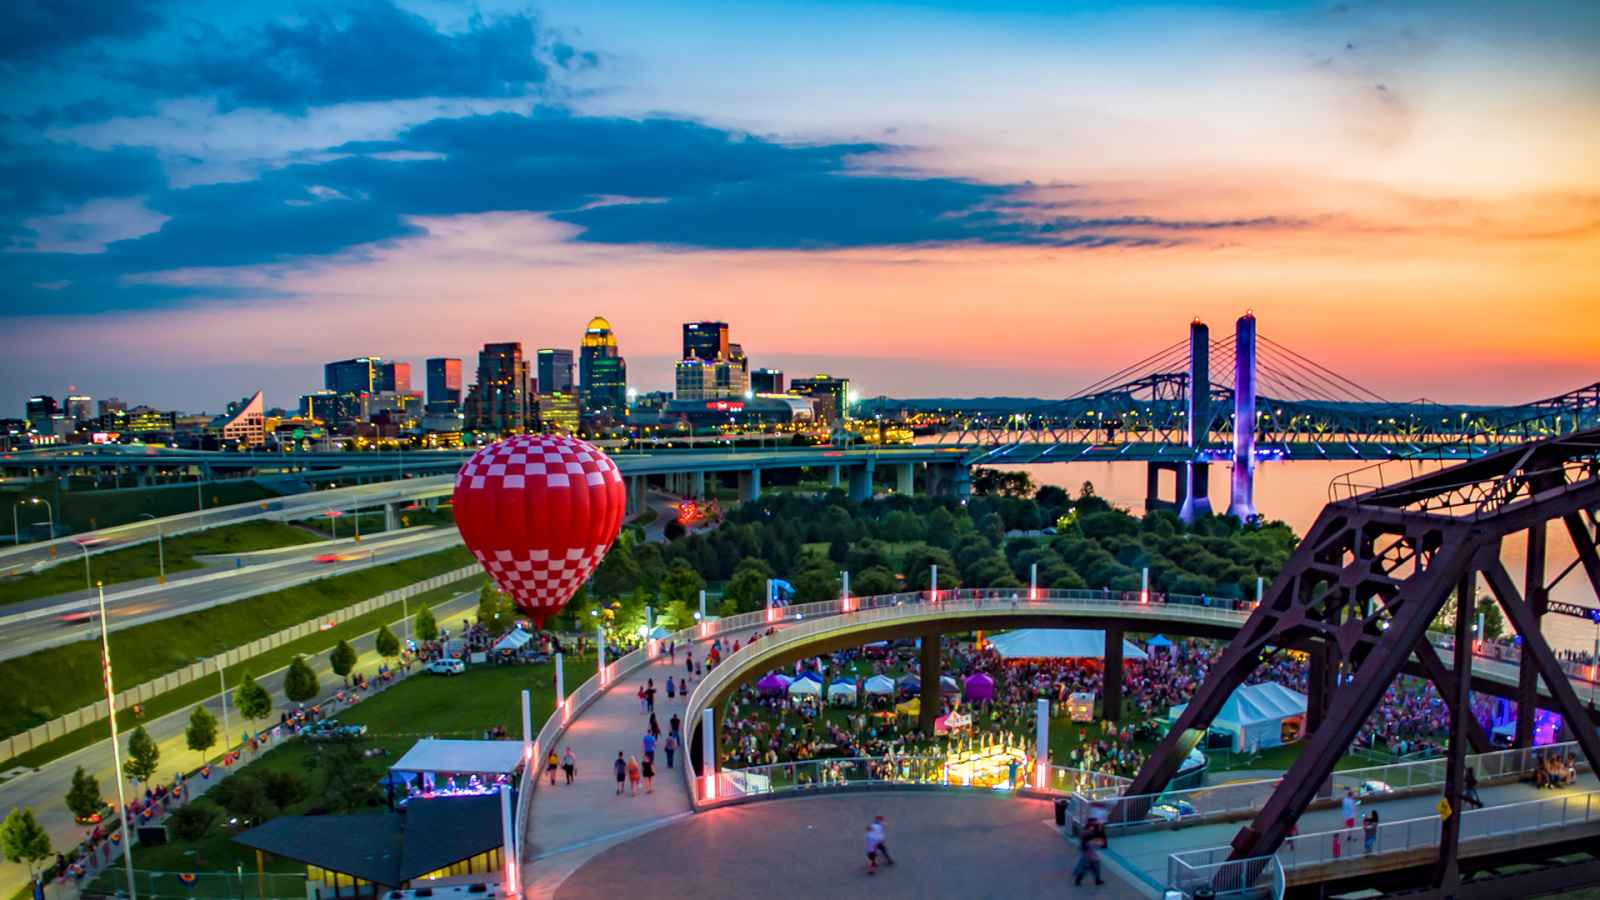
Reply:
x=300 y=683
x=872 y=581
x=143 y=755
x=342 y=659
x=386 y=643
x=24 y=840
x=201 y=733
x=350 y=780
x=494 y=610
x=83 y=799
x=251 y=699
x=673 y=530
x=682 y=583
x=190 y=823
x=426 y=628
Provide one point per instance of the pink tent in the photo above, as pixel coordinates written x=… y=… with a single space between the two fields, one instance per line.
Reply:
x=980 y=687
x=773 y=684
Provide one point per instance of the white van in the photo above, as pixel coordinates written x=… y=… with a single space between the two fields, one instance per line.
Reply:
x=447 y=666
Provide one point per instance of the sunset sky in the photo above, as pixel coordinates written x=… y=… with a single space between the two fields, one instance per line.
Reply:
x=1008 y=197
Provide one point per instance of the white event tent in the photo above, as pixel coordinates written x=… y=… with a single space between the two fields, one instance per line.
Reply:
x=879 y=684
x=1258 y=715
x=1058 y=643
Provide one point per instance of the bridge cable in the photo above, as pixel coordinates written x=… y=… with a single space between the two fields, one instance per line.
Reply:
x=1316 y=365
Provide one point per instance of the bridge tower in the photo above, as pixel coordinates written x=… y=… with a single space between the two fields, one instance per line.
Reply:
x=1196 y=474
x=1242 y=503
x=1361 y=589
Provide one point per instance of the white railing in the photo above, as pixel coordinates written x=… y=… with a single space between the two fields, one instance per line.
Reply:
x=1222 y=801
x=1257 y=876
x=1210 y=866
x=879 y=771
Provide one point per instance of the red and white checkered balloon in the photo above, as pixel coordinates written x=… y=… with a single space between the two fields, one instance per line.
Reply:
x=539 y=512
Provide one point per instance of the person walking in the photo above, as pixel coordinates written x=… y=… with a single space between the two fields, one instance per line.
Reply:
x=633 y=776
x=1369 y=830
x=649 y=746
x=648 y=771
x=621 y=767
x=670 y=747
x=569 y=765
x=642 y=710
x=878 y=829
x=672 y=690
x=650 y=695
x=655 y=727
x=1088 y=853
x=872 y=851
x=1470 y=790
x=551 y=763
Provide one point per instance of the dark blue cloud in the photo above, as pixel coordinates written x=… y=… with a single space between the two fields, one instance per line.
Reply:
x=35 y=30
x=42 y=179
x=368 y=50
x=654 y=181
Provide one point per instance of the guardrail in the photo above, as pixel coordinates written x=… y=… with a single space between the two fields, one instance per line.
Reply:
x=1222 y=801
x=60 y=726
x=1192 y=868
x=1257 y=876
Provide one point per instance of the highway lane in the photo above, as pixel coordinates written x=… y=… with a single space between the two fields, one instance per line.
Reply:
x=26 y=632
x=44 y=789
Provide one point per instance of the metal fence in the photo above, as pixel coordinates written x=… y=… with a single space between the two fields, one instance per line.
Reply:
x=1406 y=835
x=60 y=726
x=1208 y=803
x=1257 y=876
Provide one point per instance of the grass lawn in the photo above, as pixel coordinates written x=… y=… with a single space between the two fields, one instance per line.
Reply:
x=85 y=510
x=459 y=706
x=143 y=561
x=49 y=683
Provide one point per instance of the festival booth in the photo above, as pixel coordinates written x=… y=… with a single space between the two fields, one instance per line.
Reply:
x=909 y=684
x=1080 y=706
x=979 y=687
x=804 y=687
x=879 y=686
x=1259 y=715
x=1057 y=643
x=660 y=633
x=842 y=691
x=773 y=684
x=514 y=644
x=912 y=707
x=449 y=768
x=1159 y=644
x=947 y=685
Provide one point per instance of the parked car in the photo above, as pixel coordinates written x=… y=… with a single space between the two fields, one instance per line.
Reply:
x=1374 y=788
x=330 y=730
x=447 y=666
x=1173 y=810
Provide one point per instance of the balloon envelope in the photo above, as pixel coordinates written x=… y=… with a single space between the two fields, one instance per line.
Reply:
x=539 y=512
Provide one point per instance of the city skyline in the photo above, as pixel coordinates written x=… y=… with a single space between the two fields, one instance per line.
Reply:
x=944 y=201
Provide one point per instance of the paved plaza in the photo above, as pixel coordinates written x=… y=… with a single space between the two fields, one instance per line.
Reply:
x=944 y=845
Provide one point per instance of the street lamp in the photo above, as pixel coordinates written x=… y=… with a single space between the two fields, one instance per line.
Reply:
x=50 y=517
x=88 y=582
x=161 y=549
x=116 y=747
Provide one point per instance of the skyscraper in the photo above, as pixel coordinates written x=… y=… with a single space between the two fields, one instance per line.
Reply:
x=705 y=340
x=555 y=371
x=831 y=395
x=499 y=400
x=79 y=408
x=351 y=376
x=40 y=408
x=444 y=384
x=391 y=376
x=604 y=374
x=767 y=381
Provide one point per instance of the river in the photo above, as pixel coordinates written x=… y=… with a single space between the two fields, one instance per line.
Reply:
x=1296 y=491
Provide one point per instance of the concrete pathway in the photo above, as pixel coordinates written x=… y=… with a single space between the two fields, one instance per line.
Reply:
x=45 y=789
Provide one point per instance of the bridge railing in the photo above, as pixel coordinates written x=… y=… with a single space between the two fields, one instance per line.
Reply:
x=1227 y=800
x=1256 y=876
x=840 y=773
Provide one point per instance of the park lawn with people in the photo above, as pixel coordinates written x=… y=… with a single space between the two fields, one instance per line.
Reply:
x=145 y=560
x=52 y=682
x=300 y=777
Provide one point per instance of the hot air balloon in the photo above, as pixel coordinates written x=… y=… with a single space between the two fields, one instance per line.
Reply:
x=539 y=512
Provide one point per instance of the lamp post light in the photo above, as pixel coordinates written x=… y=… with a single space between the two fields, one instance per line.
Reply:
x=116 y=747
x=50 y=518
x=88 y=581
x=161 y=550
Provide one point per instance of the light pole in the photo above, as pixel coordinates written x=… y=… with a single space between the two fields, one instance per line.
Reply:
x=161 y=548
x=88 y=582
x=50 y=514
x=116 y=748
x=199 y=490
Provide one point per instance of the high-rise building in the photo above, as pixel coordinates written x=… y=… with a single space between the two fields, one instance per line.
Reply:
x=554 y=371
x=766 y=381
x=604 y=374
x=79 y=408
x=352 y=376
x=444 y=384
x=705 y=340
x=694 y=379
x=112 y=405
x=558 y=412
x=831 y=396
x=499 y=401
x=244 y=422
x=391 y=376
x=40 y=408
